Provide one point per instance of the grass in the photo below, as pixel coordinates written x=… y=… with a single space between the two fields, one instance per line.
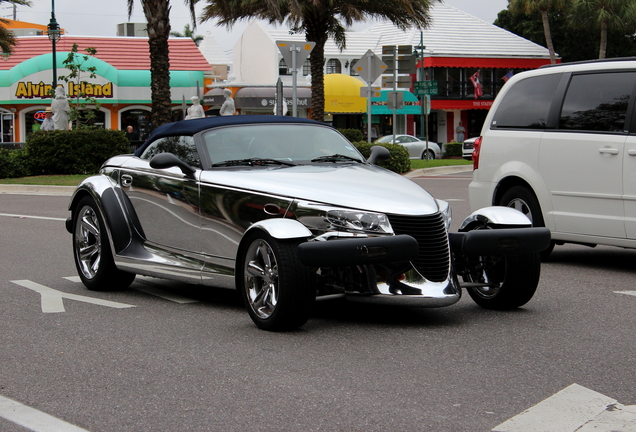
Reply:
x=419 y=163
x=53 y=180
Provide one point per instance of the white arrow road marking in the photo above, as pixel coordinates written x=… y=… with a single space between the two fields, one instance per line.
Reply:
x=632 y=293
x=52 y=299
x=574 y=408
x=32 y=419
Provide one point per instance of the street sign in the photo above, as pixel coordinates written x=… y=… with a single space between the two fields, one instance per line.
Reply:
x=375 y=91
x=395 y=100
x=370 y=67
x=425 y=88
x=402 y=81
x=302 y=50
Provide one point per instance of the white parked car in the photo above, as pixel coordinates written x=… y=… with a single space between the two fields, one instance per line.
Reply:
x=467 y=148
x=559 y=144
x=415 y=146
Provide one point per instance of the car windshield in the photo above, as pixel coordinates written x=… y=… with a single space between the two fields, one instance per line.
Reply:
x=290 y=143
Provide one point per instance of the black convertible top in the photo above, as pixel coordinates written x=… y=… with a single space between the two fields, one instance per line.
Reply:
x=191 y=127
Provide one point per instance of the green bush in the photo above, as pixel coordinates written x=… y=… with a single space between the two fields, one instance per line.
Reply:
x=353 y=135
x=453 y=149
x=80 y=151
x=399 y=162
x=14 y=163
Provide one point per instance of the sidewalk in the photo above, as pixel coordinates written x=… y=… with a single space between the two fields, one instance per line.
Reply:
x=453 y=169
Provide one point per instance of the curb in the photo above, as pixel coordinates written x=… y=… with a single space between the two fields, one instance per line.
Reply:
x=453 y=169
x=37 y=190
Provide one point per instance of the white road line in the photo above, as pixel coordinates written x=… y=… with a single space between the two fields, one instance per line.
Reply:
x=32 y=419
x=574 y=408
x=52 y=300
x=632 y=293
x=31 y=217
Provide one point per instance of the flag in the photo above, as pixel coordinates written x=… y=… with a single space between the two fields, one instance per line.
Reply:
x=507 y=76
x=474 y=79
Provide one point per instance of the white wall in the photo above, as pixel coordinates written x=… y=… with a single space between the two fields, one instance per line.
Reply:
x=255 y=57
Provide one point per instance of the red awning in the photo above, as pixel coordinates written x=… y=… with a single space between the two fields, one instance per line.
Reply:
x=461 y=104
x=484 y=62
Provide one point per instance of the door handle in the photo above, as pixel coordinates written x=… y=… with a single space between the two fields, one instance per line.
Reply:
x=631 y=152
x=126 y=180
x=608 y=150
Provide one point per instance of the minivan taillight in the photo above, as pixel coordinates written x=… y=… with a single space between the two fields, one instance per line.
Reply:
x=476 y=148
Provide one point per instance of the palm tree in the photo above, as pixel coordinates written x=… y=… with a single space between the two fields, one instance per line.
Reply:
x=7 y=39
x=157 y=14
x=543 y=6
x=188 y=32
x=319 y=20
x=604 y=15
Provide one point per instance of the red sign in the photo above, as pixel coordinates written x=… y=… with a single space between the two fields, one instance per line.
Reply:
x=40 y=115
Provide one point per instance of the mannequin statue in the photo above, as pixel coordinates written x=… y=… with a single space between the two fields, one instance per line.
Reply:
x=61 y=109
x=228 y=106
x=196 y=110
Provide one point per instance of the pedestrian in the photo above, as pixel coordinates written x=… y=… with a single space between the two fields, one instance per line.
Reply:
x=131 y=134
x=461 y=132
x=48 y=124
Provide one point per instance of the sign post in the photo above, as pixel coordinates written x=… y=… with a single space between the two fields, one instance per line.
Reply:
x=295 y=53
x=369 y=68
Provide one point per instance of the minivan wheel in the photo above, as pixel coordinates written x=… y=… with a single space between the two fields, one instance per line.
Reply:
x=523 y=199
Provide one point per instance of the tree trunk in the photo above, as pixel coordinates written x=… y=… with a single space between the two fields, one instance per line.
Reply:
x=548 y=35
x=157 y=14
x=602 y=52
x=315 y=32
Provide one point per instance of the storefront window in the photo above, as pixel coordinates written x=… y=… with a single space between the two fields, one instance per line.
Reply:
x=352 y=69
x=6 y=127
x=96 y=118
x=306 y=67
x=139 y=119
x=32 y=120
x=282 y=68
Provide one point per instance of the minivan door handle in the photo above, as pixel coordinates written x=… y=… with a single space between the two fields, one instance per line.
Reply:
x=631 y=152
x=608 y=150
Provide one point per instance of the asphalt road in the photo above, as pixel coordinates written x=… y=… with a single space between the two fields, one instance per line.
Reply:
x=197 y=363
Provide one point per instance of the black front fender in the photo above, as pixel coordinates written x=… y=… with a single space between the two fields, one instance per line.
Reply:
x=499 y=241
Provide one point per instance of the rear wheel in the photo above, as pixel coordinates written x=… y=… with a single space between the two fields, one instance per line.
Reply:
x=91 y=250
x=276 y=288
x=523 y=199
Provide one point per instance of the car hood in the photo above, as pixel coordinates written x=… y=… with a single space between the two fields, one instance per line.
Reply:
x=356 y=186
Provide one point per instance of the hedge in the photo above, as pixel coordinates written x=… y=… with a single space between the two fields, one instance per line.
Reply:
x=80 y=151
x=453 y=149
x=400 y=161
x=353 y=135
x=14 y=164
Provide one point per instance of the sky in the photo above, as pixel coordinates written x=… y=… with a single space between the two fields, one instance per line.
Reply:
x=100 y=17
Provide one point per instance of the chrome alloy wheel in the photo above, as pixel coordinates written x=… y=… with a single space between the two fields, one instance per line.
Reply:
x=88 y=242
x=522 y=206
x=261 y=278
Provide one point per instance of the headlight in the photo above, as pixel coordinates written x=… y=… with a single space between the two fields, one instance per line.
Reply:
x=446 y=211
x=326 y=218
x=359 y=221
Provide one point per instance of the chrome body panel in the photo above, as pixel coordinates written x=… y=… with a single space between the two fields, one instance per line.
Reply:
x=497 y=216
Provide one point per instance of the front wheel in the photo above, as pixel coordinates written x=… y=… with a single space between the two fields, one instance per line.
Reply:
x=276 y=288
x=505 y=282
x=91 y=250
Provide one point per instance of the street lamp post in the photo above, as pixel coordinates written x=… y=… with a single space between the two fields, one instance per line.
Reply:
x=423 y=98
x=54 y=34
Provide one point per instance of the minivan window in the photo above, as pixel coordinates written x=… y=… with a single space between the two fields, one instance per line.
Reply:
x=526 y=105
x=597 y=102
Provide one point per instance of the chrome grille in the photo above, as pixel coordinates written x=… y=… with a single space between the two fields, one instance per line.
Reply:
x=433 y=260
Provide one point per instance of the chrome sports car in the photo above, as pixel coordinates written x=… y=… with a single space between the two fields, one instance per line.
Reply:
x=286 y=210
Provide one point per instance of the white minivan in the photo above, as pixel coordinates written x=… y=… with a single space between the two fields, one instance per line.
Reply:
x=559 y=144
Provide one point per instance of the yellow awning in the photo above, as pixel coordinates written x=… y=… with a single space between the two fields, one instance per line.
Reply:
x=342 y=94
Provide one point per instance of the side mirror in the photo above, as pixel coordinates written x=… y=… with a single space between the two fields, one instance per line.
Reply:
x=378 y=153
x=168 y=160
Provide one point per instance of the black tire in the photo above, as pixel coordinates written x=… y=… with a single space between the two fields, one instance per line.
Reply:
x=276 y=288
x=524 y=200
x=514 y=280
x=431 y=154
x=91 y=250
